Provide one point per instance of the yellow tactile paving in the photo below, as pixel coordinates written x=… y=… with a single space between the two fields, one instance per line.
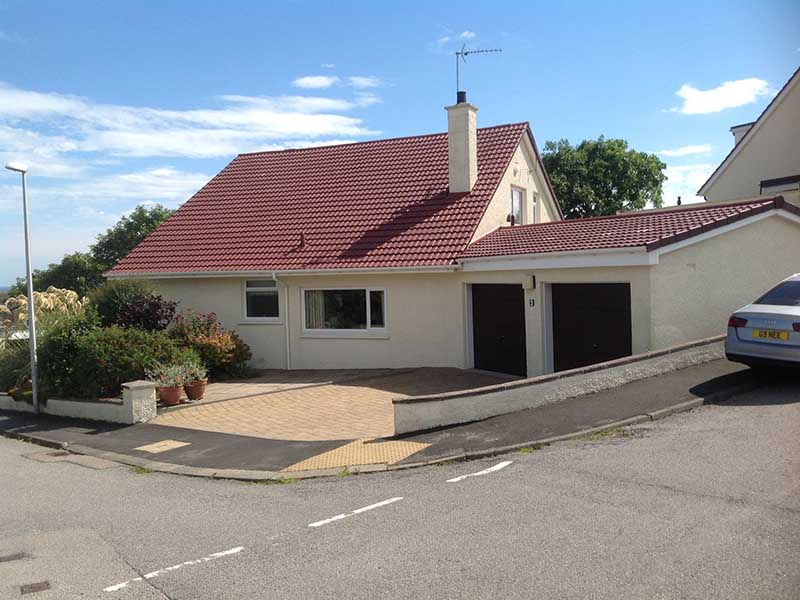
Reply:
x=360 y=452
x=162 y=446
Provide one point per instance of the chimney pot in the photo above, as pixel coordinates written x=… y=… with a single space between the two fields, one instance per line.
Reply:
x=461 y=97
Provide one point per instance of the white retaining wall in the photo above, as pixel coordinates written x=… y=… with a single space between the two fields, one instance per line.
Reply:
x=426 y=412
x=138 y=405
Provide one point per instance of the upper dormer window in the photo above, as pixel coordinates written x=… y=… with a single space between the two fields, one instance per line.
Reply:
x=517 y=202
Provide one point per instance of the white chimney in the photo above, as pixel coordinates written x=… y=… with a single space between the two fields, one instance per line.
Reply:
x=739 y=131
x=462 y=144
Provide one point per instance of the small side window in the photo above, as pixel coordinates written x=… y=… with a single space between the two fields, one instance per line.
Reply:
x=261 y=299
x=517 y=198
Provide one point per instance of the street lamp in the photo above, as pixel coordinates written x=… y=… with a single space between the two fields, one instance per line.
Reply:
x=23 y=170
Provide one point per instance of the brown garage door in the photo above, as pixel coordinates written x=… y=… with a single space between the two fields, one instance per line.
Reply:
x=591 y=323
x=498 y=328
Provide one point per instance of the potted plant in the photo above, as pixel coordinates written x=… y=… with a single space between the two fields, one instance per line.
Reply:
x=170 y=380
x=195 y=380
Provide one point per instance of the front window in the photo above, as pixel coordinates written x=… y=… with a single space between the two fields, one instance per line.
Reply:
x=517 y=199
x=350 y=309
x=783 y=294
x=261 y=299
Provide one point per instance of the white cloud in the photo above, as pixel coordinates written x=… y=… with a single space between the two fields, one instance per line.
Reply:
x=467 y=35
x=369 y=81
x=328 y=66
x=686 y=150
x=442 y=40
x=728 y=95
x=684 y=181
x=244 y=123
x=315 y=81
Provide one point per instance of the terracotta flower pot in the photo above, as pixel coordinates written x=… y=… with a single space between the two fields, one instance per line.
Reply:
x=170 y=396
x=195 y=390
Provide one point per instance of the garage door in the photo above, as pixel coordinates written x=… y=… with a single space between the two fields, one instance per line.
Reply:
x=591 y=323
x=498 y=328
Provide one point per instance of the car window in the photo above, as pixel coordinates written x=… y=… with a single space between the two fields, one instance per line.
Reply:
x=783 y=294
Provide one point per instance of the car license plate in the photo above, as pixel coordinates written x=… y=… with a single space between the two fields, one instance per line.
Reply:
x=771 y=334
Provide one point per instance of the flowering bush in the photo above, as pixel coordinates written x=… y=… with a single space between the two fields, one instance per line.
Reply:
x=223 y=352
x=195 y=371
x=150 y=312
x=166 y=375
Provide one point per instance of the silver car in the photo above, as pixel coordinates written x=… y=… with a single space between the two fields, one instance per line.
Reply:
x=767 y=332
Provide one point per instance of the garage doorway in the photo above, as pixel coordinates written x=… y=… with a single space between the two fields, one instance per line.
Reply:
x=498 y=328
x=591 y=323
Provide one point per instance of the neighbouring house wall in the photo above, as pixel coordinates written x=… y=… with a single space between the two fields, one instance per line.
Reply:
x=523 y=172
x=224 y=297
x=771 y=151
x=696 y=288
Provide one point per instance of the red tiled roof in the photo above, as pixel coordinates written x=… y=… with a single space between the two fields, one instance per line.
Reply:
x=370 y=204
x=648 y=229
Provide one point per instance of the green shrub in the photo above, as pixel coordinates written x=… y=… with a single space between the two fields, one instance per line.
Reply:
x=113 y=297
x=223 y=352
x=105 y=358
x=15 y=364
x=58 y=348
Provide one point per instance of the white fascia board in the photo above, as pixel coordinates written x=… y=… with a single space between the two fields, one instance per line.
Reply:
x=286 y=273
x=614 y=257
x=727 y=229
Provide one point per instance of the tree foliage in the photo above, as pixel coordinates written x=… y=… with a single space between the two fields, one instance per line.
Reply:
x=601 y=177
x=77 y=272
x=83 y=271
x=113 y=245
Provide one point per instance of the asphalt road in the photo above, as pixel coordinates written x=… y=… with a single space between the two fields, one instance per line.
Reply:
x=701 y=505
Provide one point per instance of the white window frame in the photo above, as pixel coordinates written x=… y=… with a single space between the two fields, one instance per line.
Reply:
x=369 y=332
x=522 y=200
x=245 y=289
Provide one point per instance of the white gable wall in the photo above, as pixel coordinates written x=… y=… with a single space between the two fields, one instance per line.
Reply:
x=696 y=288
x=770 y=151
x=525 y=173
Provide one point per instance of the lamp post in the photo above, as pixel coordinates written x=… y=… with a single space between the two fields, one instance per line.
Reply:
x=23 y=170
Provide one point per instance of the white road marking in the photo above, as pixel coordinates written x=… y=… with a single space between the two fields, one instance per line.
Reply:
x=497 y=467
x=355 y=512
x=119 y=586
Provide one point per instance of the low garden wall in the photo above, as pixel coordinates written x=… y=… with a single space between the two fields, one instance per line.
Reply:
x=138 y=404
x=427 y=412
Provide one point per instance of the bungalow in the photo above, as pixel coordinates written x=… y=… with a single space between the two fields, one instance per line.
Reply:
x=765 y=158
x=450 y=250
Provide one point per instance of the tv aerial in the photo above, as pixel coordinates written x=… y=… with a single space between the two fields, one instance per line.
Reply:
x=461 y=55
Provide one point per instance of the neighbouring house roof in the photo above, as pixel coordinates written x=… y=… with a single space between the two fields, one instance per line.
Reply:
x=648 y=229
x=755 y=126
x=379 y=204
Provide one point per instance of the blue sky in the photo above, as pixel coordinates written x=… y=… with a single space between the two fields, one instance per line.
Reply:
x=114 y=104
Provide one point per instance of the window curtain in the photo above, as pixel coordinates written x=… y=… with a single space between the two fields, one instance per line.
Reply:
x=315 y=309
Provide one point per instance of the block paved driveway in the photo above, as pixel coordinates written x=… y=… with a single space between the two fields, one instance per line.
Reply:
x=317 y=405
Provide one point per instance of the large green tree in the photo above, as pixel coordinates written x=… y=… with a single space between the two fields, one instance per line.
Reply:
x=113 y=245
x=601 y=177
x=83 y=271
